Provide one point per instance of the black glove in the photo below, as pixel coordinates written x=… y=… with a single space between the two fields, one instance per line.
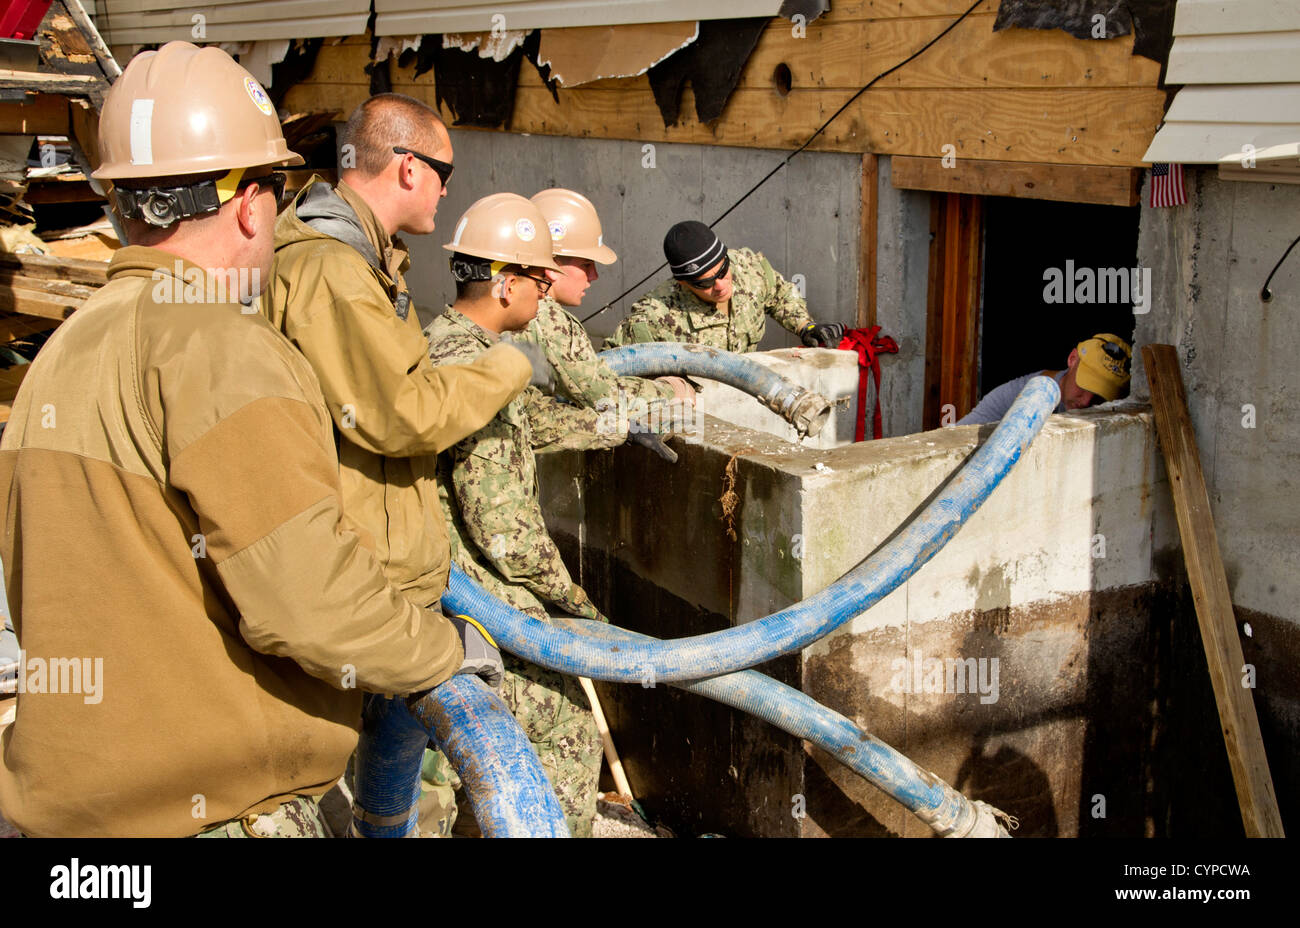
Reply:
x=543 y=374
x=481 y=655
x=822 y=334
x=654 y=443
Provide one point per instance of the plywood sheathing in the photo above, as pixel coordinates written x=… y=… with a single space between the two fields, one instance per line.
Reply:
x=1015 y=95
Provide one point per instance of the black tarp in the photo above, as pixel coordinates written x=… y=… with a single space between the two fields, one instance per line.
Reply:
x=1151 y=20
x=478 y=91
x=712 y=63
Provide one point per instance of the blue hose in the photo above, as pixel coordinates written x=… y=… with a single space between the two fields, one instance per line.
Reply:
x=932 y=800
x=791 y=629
x=805 y=410
x=506 y=785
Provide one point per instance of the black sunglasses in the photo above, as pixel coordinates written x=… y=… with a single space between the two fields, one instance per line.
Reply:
x=706 y=283
x=442 y=167
x=1114 y=351
x=276 y=179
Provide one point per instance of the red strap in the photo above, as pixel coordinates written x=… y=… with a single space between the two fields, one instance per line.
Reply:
x=869 y=345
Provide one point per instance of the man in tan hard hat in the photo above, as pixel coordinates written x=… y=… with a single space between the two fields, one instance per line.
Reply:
x=337 y=291
x=1097 y=369
x=501 y=256
x=578 y=243
x=173 y=539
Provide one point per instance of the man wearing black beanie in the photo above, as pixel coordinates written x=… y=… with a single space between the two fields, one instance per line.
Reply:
x=719 y=298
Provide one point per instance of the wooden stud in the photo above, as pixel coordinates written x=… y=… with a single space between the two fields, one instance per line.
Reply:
x=867 y=244
x=1237 y=718
x=932 y=412
x=37 y=303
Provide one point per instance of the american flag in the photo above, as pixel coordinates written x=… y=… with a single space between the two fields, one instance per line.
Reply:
x=1167 y=185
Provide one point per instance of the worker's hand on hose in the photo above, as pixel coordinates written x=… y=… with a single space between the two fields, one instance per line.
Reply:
x=822 y=334
x=648 y=439
x=481 y=655
x=682 y=390
x=543 y=374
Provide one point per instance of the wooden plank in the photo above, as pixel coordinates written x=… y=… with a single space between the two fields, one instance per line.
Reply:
x=1237 y=718
x=1055 y=126
x=16 y=325
x=42 y=114
x=867 y=244
x=84 y=123
x=37 y=303
x=34 y=81
x=1075 y=183
x=61 y=191
x=848 y=54
x=76 y=270
x=957 y=314
x=894 y=9
x=52 y=286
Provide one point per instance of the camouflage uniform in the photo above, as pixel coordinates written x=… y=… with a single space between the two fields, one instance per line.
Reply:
x=487 y=484
x=298 y=818
x=580 y=373
x=672 y=313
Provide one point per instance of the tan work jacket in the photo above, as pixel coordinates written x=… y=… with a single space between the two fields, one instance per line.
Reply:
x=393 y=411
x=197 y=619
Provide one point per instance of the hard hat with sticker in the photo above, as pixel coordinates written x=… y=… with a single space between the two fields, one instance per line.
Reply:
x=558 y=230
x=525 y=229
x=258 y=96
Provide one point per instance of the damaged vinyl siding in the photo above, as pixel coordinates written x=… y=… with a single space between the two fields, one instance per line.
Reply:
x=412 y=17
x=146 y=22
x=1240 y=67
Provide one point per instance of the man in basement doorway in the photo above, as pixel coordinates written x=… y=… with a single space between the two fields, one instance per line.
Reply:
x=1096 y=370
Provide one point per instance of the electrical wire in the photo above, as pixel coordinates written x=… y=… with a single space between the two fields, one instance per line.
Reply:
x=812 y=138
x=1265 y=293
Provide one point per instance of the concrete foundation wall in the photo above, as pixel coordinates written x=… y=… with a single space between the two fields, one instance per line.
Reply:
x=1101 y=701
x=1208 y=260
x=805 y=219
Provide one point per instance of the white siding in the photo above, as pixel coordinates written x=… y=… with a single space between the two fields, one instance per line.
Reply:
x=1239 y=64
x=417 y=17
x=145 y=22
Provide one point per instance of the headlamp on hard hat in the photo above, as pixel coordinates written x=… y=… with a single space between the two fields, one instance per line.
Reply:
x=163 y=206
x=465 y=268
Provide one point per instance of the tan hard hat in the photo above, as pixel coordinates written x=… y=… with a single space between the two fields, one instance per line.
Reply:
x=575 y=227
x=504 y=227
x=187 y=110
x=1102 y=370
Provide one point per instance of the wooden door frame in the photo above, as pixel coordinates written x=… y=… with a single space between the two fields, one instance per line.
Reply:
x=953 y=307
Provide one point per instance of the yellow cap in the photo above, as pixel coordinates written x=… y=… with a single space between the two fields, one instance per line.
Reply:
x=1103 y=371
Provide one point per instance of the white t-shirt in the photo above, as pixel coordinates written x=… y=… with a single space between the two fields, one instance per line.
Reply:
x=998 y=400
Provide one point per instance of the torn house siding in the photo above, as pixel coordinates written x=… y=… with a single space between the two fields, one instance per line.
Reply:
x=591 y=53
